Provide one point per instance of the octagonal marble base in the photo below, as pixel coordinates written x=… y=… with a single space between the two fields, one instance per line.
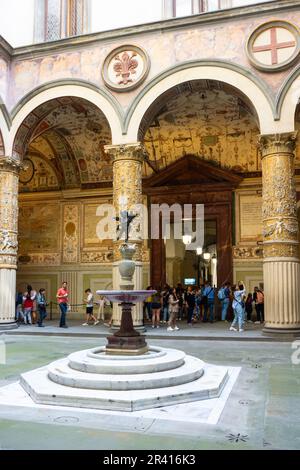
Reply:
x=91 y=379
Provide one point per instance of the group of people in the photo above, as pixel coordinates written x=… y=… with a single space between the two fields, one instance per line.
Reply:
x=172 y=303
x=31 y=306
x=167 y=305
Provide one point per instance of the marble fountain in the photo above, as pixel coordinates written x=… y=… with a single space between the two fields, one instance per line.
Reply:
x=127 y=374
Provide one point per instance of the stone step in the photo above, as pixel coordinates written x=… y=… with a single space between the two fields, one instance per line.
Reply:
x=60 y=372
x=95 y=361
x=42 y=390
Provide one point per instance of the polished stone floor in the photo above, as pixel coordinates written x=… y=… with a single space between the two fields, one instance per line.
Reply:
x=261 y=412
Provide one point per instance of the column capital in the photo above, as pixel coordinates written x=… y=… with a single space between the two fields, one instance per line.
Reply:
x=10 y=164
x=277 y=143
x=135 y=151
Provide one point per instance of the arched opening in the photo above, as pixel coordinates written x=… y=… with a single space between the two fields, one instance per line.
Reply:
x=66 y=176
x=69 y=134
x=201 y=137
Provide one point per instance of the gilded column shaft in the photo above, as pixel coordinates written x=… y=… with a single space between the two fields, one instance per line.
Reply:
x=280 y=235
x=9 y=171
x=279 y=212
x=9 y=178
x=127 y=188
x=127 y=194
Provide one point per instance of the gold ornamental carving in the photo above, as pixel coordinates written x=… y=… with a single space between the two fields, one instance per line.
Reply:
x=277 y=143
x=9 y=164
x=135 y=151
x=281 y=250
x=247 y=252
x=279 y=210
x=40 y=259
x=97 y=257
x=9 y=169
x=127 y=184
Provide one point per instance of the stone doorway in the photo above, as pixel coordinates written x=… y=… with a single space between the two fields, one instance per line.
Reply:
x=191 y=180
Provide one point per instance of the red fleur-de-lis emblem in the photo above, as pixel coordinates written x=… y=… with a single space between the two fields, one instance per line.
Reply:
x=125 y=67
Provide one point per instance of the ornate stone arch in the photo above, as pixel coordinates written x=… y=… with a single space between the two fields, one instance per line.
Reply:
x=287 y=100
x=238 y=77
x=4 y=127
x=102 y=99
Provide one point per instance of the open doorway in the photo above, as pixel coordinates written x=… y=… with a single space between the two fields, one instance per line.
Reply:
x=192 y=267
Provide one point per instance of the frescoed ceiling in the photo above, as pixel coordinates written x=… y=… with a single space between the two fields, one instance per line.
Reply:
x=69 y=134
x=207 y=119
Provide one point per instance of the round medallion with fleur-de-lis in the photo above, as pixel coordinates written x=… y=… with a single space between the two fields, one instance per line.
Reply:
x=125 y=68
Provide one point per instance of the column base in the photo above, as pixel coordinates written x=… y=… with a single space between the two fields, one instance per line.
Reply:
x=126 y=345
x=9 y=326
x=284 y=334
x=141 y=328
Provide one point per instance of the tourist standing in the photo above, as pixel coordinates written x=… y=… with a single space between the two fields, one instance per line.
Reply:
x=41 y=306
x=260 y=306
x=101 y=308
x=19 y=307
x=148 y=304
x=249 y=306
x=173 y=309
x=191 y=302
x=34 y=306
x=63 y=301
x=89 y=308
x=224 y=297
x=165 y=303
x=28 y=305
x=238 y=306
x=180 y=296
x=208 y=302
x=156 y=307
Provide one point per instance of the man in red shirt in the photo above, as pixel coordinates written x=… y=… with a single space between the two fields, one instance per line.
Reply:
x=63 y=300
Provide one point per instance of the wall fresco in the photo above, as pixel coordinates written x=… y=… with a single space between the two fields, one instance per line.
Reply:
x=207 y=121
x=44 y=177
x=39 y=226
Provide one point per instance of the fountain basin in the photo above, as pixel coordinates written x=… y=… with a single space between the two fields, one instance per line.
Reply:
x=127 y=296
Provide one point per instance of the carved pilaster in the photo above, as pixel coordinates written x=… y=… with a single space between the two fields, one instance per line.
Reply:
x=280 y=234
x=9 y=171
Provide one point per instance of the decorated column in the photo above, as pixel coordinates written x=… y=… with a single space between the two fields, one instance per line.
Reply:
x=9 y=171
x=280 y=236
x=127 y=193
